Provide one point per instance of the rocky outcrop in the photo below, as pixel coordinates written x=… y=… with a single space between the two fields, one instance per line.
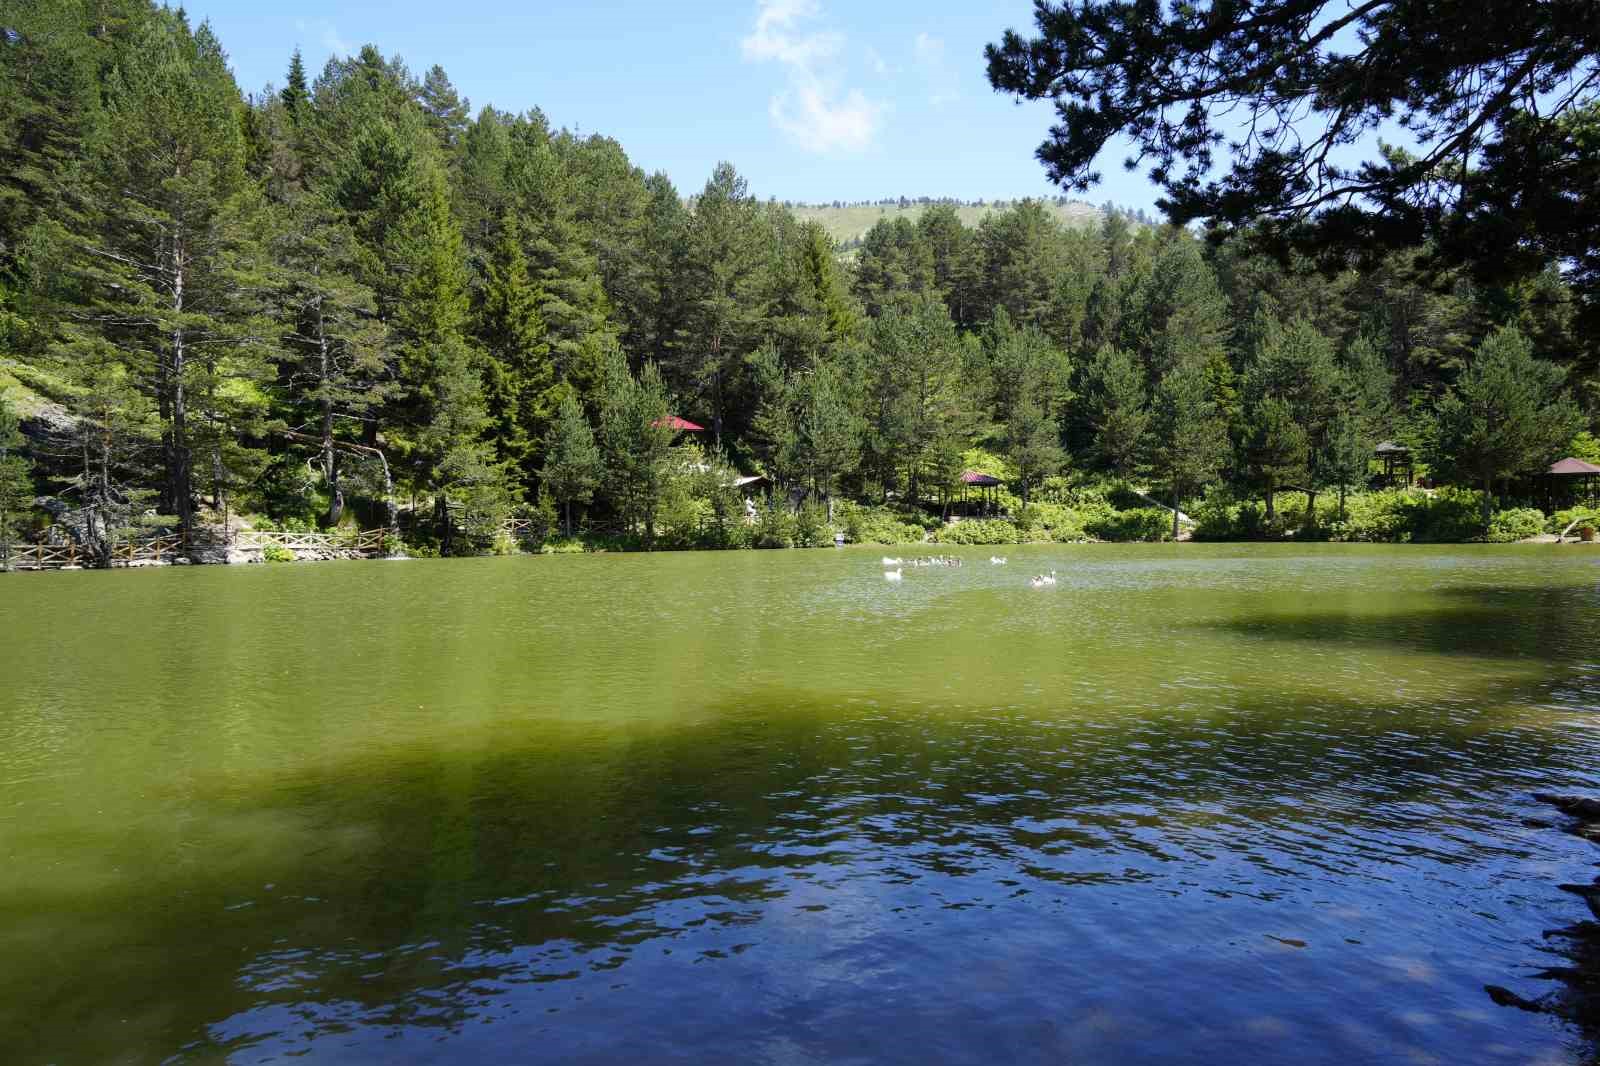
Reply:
x=1577 y=997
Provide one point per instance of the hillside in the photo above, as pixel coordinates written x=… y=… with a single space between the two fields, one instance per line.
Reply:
x=848 y=224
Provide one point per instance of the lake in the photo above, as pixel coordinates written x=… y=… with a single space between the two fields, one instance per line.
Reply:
x=1207 y=804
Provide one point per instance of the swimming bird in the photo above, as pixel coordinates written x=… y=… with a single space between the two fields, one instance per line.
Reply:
x=1050 y=578
x=996 y=560
x=1037 y=581
x=889 y=561
x=892 y=575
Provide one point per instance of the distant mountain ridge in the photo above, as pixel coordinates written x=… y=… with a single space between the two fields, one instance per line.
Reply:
x=847 y=222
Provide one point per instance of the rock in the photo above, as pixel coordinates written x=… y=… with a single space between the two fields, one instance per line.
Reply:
x=1506 y=998
x=1578 y=806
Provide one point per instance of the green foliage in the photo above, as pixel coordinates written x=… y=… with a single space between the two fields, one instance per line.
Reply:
x=979 y=531
x=1584 y=516
x=775 y=527
x=1585 y=446
x=276 y=553
x=881 y=525
x=1515 y=523
x=1507 y=413
x=313 y=302
x=1449 y=515
x=811 y=529
x=1144 y=523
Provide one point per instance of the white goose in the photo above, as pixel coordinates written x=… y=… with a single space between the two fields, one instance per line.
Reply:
x=997 y=560
x=892 y=575
x=889 y=561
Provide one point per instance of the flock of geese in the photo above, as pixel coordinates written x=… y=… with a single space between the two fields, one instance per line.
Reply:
x=893 y=568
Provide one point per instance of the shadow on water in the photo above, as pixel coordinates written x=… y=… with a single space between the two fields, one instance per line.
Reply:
x=858 y=883
x=1486 y=622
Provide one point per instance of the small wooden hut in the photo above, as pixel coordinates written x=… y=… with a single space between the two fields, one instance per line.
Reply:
x=988 y=490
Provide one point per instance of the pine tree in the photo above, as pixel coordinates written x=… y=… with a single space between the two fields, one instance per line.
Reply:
x=296 y=93
x=573 y=466
x=1275 y=448
x=1507 y=413
x=635 y=437
x=164 y=243
x=334 y=358
x=16 y=479
x=1188 y=435
x=1034 y=440
x=1118 y=408
x=445 y=111
x=519 y=376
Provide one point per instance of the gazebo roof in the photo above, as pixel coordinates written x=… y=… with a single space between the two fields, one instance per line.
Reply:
x=1573 y=468
x=674 y=422
x=1389 y=447
x=978 y=477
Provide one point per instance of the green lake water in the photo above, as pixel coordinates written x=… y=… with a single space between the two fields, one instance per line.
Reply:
x=1193 y=804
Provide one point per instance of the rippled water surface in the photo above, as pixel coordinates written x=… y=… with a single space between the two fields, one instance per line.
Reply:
x=1212 y=805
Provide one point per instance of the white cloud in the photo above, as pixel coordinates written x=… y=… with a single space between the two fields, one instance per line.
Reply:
x=943 y=87
x=812 y=109
x=327 y=35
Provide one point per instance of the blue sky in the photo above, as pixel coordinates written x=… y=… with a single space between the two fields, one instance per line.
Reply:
x=811 y=99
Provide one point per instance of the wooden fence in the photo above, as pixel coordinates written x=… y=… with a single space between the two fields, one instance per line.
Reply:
x=165 y=548
x=366 y=542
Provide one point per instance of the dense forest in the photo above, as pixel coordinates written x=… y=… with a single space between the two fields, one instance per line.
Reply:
x=352 y=301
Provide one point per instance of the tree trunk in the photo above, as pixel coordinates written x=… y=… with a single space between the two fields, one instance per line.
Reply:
x=1341 y=501
x=1175 y=502
x=330 y=457
x=1271 y=511
x=1488 y=503
x=178 y=477
x=568 y=510
x=441 y=519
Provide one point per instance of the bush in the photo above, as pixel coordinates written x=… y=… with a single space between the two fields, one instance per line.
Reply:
x=775 y=527
x=563 y=546
x=1560 y=520
x=1376 y=517
x=1515 y=523
x=1141 y=524
x=880 y=525
x=979 y=531
x=1452 y=515
x=277 y=553
x=1055 y=521
x=811 y=528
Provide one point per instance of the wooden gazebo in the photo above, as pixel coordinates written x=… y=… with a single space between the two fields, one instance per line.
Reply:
x=1574 y=475
x=988 y=487
x=1394 y=457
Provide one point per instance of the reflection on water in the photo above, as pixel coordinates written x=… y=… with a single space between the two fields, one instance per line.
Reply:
x=1195 y=805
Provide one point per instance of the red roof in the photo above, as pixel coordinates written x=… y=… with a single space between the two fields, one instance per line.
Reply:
x=1573 y=466
x=978 y=477
x=674 y=422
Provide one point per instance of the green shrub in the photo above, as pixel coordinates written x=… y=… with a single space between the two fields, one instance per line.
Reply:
x=880 y=525
x=563 y=546
x=775 y=527
x=811 y=527
x=1377 y=517
x=979 y=531
x=1515 y=523
x=1451 y=516
x=1560 y=520
x=503 y=544
x=1142 y=524
x=277 y=553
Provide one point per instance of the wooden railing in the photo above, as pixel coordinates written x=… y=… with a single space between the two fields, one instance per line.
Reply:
x=366 y=542
x=518 y=527
x=168 y=546
x=150 y=550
